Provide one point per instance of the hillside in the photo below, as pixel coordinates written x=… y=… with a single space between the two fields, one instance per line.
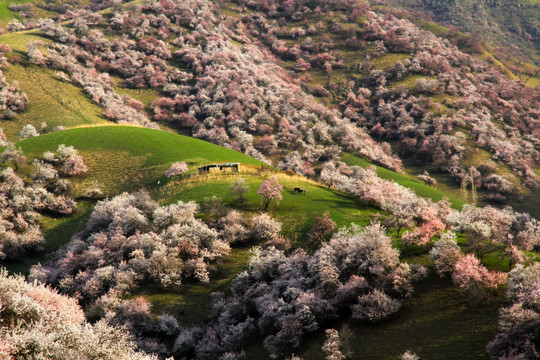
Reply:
x=387 y=76
x=119 y=158
x=510 y=25
x=379 y=149
x=122 y=158
x=191 y=302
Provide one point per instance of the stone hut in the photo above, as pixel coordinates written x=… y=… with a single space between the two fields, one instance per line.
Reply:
x=221 y=168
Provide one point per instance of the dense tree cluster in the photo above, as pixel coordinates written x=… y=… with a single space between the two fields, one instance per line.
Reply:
x=405 y=206
x=503 y=115
x=209 y=94
x=64 y=55
x=467 y=271
x=53 y=169
x=38 y=323
x=20 y=209
x=128 y=239
x=357 y=273
x=489 y=229
x=519 y=323
x=186 y=50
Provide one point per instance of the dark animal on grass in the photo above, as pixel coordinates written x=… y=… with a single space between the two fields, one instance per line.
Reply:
x=298 y=190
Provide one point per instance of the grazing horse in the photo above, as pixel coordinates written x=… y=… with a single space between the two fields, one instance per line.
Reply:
x=300 y=191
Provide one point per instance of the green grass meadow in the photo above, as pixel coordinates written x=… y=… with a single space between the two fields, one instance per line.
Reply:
x=127 y=158
x=438 y=322
x=52 y=101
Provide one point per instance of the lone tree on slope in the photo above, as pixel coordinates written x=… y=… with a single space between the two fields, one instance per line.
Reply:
x=270 y=190
x=239 y=188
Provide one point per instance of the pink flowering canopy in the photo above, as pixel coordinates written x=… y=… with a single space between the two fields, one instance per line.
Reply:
x=270 y=190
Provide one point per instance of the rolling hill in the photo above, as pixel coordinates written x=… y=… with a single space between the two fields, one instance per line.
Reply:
x=126 y=158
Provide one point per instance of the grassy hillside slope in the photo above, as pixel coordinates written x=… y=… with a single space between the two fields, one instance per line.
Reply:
x=191 y=303
x=434 y=323
x=438 y=322
x=51 y=100
x=511 y=29
x=120 y=158
x=126 y=158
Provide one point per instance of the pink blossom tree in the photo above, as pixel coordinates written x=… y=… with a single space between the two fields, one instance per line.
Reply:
x=176 y=168
x=270 y=190
x=474 y=278
x=74 y=165
x=322 y=227
x=445 y=254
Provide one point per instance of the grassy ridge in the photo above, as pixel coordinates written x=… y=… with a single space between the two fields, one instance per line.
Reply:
x=160 y=146
x=127 y=158
x=295 y=211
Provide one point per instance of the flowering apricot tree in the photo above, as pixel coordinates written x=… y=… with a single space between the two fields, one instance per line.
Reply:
x=270 y=190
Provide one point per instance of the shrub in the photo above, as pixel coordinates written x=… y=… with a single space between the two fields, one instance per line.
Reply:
x=74 y=166
x=239 y=188
x=473 y=278
x=445 y=254
x=28 y=131
x=176 y=168
x=265 y=228
x=374 y=306
x=322 y=227
x=269 y=190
